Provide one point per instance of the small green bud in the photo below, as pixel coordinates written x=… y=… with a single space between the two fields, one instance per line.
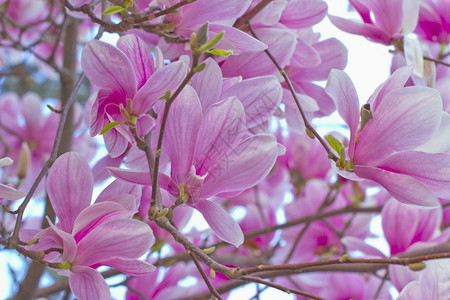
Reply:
x=309 y=133
x=113 y=9
x=64 y=265
x=214 y=41
x=212 y=273
x=344 y=258
x=202 y=34
x=209 y=250
x=162 y=213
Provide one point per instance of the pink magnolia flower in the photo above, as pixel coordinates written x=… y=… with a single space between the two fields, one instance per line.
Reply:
x=383 y=20
x=211 y=154
x=90 y=236
x=382 y=148
x=127 y=76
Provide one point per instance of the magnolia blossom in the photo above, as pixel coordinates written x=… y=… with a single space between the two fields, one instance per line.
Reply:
x=90 y=236
x=211 y=154
x=129 y=78
x=395 y=121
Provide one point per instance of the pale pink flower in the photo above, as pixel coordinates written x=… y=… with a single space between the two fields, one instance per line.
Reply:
x=384 y=149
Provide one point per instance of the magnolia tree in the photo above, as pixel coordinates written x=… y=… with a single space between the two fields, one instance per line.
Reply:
x=206 y=112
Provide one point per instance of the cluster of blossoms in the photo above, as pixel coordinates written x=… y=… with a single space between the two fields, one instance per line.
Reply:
x=207 y=108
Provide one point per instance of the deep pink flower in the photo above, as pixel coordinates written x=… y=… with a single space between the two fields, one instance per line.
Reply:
x=384 y=149
x=126 y=72
x=434 y=21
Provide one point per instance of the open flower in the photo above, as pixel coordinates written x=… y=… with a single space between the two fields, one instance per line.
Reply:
x=394 y=122
x=211 y=154
x=88 y=236
x=128 y=78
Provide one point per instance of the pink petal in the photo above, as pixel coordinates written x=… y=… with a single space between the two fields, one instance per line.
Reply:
x=396 y=81
x=139 y=55
x=119 y=187
x=107 y=66
x=115 y=143
x=144 y=124
x=121 y=238
x=388 y=14
x=68 y=243
x=208 y=83
x=223 y=225
x=183 y=123
x=87 y=284
x=97 y=118
x=431 y=169
x=300 y=14
x=400 y=224
x=69 y=186
x=32 y=113
x=10 y=193
x=164 y=79
x=281 y=43
x=222 y=128
x=435 y=279
x=236 y=40
x=370 y=31
x=131 y=267
x=201 y=11
x=305 y=56
x=410 y=292
x=333 y=55
x=260 y=97
x=100 y=172
x=356 y=244
x=243 y=167
x=417 y=193
x=97 y=214
x=405 y=119
x=341 y=89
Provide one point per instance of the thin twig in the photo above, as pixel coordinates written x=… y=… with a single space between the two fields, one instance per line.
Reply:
x=279 y=287
x=205 y=278
x=308 y=125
